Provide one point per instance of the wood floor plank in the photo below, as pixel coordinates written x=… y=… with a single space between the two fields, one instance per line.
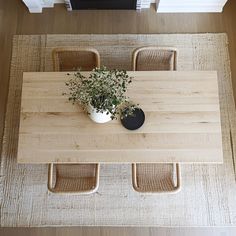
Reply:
x=118 y=231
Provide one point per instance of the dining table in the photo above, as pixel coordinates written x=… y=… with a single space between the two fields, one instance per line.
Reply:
x=182 y=121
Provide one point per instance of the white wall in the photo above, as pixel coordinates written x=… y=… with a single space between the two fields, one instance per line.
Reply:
x=36 y=6
x=59 y=1
x=33 y=6
x=47 y=3
x=191 y=5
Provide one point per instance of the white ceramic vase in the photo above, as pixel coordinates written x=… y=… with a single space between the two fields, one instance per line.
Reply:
x=98 y=117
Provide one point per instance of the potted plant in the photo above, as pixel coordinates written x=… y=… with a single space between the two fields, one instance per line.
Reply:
x=101 y=93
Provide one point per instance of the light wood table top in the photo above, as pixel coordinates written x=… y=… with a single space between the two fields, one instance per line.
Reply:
x=182 y=121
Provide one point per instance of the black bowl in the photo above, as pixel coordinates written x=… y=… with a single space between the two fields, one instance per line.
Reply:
x=135 y=120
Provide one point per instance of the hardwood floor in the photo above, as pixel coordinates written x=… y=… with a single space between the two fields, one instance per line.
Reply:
x=15 y=19
x=118 y=231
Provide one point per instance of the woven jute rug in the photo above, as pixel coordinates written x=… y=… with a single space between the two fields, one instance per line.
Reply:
x=208 y=196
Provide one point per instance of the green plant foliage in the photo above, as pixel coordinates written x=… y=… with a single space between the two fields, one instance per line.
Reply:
x=104 y=89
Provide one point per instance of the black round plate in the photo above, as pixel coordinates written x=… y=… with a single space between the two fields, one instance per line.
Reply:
x=135 y=121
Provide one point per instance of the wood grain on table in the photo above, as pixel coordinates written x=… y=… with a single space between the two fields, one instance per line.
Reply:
x=182 y=121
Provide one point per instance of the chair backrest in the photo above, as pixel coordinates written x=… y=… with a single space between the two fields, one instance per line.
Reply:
x=154 y=58
x=74 y=58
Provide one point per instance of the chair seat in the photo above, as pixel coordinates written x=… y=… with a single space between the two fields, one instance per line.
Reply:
x=75 y=184
x=156 y=177
x=73 y=178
